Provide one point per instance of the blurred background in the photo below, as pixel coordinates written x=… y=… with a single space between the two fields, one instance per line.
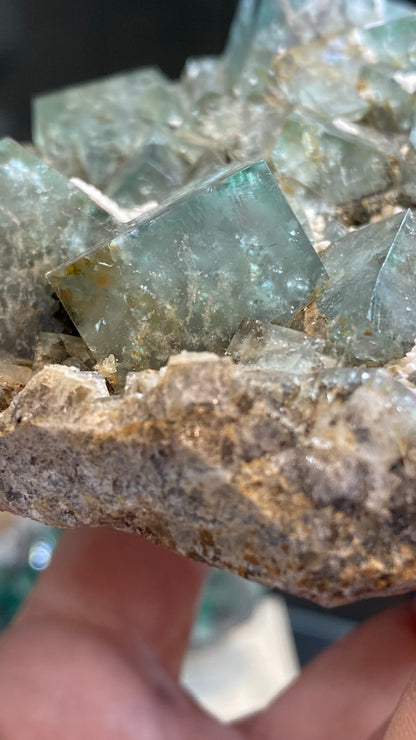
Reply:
x=247 y=643
x=48 y=44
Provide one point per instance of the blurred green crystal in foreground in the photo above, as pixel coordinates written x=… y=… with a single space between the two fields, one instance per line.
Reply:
x=273 y=185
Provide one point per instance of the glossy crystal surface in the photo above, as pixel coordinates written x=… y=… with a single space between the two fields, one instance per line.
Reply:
x=393 y=308
x=369 y=299
x=325 y=93
x=187 y=276
x=44 y=220
x=326 y=159
x=88 y=130
x=268 y=346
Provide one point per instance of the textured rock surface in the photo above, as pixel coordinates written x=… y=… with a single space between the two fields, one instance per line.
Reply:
x=309 y=485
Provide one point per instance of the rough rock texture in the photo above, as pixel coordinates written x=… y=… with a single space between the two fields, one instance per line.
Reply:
x=304 y=483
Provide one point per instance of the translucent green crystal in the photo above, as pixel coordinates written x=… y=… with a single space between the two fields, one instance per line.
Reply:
x=263 y=29
x=161 y=167
x=391 y=108
x=188 y=275
x=393 y=308
x=240 y=38
x=333 y=162
x=353 y=265
x=362 y=13
x=44 y=219
x=237 y=128
x=272 y=347
x=316 y=216
x=88 y=130
x=391 y=43
x=321 y=76
x=153 y=173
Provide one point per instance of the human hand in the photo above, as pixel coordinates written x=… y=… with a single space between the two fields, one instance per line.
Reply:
x=96 y=651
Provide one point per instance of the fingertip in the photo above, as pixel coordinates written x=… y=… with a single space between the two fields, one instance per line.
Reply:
x=125 y=584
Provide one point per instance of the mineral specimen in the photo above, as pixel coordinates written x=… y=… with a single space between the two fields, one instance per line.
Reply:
x=44 y=220
x=185 y=277
x=329 y=160
x=273 y=188
x=74 y=127
x=278 y=349
x=303 y=482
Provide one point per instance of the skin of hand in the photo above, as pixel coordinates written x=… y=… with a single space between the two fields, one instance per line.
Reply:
x=97 y=648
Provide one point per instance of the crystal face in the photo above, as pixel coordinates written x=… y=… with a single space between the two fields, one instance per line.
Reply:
x=371 y=279
x=324 y=92
x=185 y=277
x=277 y=348
x=324 y=158
x=44 y=219
x=393 y=308
x=114 y=115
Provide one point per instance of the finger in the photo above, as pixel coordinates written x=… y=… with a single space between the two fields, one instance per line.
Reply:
x=403 y=723
x=380 y=734
x=351 y=689
x=62 y=680
x=125 y=585
x=84 y=659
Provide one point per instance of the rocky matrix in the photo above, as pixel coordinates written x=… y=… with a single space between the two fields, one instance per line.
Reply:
x=208 y=303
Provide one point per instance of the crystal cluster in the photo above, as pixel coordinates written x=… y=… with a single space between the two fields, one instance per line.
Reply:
x=325 y=94
x=187 y=276
x=261 y=208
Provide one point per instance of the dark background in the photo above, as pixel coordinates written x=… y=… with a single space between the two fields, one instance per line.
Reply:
x=46 y=44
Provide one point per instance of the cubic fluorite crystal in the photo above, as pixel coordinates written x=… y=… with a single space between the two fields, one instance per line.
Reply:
x=324 y=158
x=277 y=241
x=185 y=277
x=115 y=116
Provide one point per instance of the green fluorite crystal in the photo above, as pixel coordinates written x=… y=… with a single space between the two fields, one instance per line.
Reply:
x=391 y=108
x=391 y=43
x=393 y=308
x=154 y=172
x=321 y=76
x=297 y=86
x=88 y=130
x=369 y=300
x=294 y=259
x=44 y=220
x=187 y=276
x=329 y=160
x=263 y=29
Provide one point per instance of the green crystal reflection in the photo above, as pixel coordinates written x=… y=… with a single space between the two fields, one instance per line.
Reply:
x=391 y=43
x=391 y=107
x=185 y=277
